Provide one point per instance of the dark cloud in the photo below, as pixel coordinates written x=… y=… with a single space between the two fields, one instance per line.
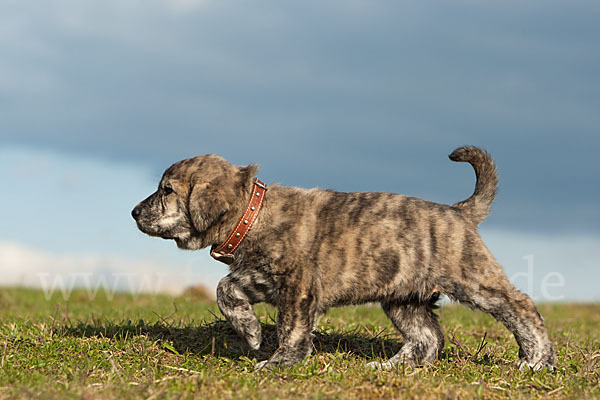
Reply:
x=353 y=95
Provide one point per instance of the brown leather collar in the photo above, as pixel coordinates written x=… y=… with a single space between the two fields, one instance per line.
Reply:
x=224 y=252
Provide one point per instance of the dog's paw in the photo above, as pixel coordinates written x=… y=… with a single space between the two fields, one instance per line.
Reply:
x=263 y=365
x=536 y=363
x=548 y=361
x=269 y=365
x=535 y=366
x=254 y=341
x=279 y=360
x=384 y=366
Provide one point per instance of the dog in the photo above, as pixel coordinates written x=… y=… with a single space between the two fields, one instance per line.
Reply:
x=311 y=249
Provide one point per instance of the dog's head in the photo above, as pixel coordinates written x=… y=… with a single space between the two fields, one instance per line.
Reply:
x=196 y=201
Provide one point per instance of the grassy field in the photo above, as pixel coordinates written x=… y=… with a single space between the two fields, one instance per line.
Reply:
x=179 y=347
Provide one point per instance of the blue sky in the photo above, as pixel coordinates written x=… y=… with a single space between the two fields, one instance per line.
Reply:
x=98 y=98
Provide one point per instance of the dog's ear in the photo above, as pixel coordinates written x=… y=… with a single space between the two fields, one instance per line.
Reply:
x=207 y=203
x=246 y=174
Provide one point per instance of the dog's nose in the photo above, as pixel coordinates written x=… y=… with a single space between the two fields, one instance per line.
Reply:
x=136 y=212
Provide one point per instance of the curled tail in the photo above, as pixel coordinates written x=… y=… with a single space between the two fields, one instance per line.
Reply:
x=477 y=207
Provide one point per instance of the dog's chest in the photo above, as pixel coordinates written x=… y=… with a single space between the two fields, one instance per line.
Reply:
x=258 y=284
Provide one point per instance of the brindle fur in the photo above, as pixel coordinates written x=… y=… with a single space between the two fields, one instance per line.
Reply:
x=313 y=249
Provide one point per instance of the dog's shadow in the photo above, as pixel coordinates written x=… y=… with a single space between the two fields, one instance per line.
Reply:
x=217 y=338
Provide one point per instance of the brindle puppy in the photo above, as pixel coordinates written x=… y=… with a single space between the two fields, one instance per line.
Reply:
x=313 y=249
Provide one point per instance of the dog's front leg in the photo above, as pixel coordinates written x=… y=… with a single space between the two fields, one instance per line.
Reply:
x=236 y=305
x=296 y=316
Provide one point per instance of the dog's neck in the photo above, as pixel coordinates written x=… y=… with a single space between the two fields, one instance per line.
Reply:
x=225 y=252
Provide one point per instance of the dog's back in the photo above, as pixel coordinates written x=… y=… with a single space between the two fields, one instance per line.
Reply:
x=367 y=246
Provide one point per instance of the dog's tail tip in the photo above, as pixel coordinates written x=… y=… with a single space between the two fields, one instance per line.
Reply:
x=466 y=154
x=478 y=205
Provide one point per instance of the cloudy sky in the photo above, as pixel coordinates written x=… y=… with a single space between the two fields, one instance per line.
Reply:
x=97 y=98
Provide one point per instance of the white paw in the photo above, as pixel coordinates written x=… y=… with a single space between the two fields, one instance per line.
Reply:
x=260 y=365
x=254 y=341
x=266 y=365
x=535 y=366
x=385 y=366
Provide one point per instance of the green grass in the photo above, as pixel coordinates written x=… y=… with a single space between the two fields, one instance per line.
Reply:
x=177 y=347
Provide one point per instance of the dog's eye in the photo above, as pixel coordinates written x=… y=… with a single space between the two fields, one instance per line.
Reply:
x=168 y=189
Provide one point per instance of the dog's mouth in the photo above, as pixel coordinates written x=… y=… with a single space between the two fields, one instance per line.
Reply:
x=164 y=236
x=151 y=230
x=177 y=233
x=179 y=239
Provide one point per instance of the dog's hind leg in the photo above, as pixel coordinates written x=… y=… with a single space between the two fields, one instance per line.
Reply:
x=489 y=290
x=420 y=329
x=235 y=298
